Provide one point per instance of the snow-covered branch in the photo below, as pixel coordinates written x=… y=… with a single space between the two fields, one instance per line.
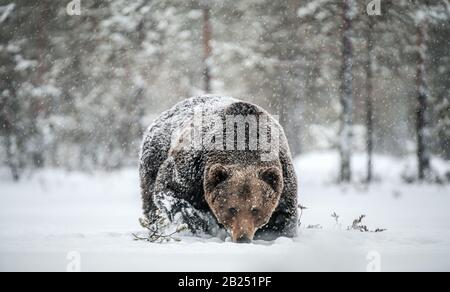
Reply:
x=439 y=11
x=311 y=8
x=5 y=11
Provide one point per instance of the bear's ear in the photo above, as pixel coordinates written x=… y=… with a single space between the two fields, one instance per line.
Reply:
x=217 y=174
x=272 y=176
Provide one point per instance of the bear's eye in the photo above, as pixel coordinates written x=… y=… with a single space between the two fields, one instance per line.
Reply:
x=233 y=211
x=255 y=211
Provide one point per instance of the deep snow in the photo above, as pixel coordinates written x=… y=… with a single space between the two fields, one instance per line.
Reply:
x=54 y=217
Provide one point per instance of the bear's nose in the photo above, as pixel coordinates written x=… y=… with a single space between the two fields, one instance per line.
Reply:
x=244 y=239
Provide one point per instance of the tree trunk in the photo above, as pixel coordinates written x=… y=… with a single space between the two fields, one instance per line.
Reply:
x=346 y=93
x=9 y=114
x=422 y=111
x=369 y=100
x=207 y=36
x=11 y=158
x=41 y=105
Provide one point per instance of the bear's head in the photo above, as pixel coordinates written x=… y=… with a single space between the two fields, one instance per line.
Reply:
x=243 y=198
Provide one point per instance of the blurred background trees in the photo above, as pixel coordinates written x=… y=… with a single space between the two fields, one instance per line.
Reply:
x=78 y=91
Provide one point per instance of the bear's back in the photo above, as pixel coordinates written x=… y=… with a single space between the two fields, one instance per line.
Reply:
x=158 y=138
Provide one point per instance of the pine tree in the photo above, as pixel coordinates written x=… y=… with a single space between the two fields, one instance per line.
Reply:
x=17 y=104
x=422 y=15
x=414 y=20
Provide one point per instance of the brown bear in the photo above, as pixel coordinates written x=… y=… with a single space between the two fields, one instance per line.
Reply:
x=220 y=164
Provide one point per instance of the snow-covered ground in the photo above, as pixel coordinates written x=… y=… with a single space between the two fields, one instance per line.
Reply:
x=62 y=221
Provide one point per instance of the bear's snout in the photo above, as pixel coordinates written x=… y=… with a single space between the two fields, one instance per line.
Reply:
x=244 y=239
x=243 y=230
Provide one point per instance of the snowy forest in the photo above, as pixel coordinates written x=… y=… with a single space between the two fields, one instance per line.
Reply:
x=77 y=91
x=361 y=88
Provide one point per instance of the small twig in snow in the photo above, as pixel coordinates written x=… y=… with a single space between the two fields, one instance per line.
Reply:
x=301 y=208
x=359 y=226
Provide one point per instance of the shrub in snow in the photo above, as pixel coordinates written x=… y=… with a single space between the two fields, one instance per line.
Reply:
x=156 y=228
